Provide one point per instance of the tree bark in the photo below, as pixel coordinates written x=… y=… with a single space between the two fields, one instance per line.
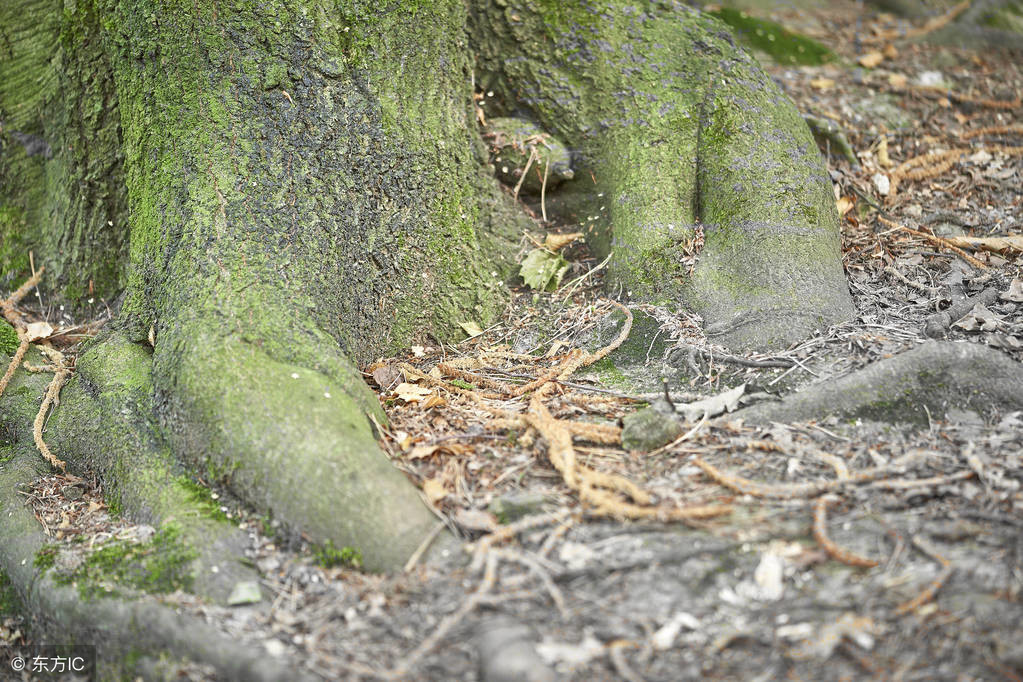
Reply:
x=296 y=179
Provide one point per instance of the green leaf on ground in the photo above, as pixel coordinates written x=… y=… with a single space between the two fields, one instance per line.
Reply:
x=543 y=270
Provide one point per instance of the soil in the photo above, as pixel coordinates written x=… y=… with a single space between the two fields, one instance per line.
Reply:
x=914 y=574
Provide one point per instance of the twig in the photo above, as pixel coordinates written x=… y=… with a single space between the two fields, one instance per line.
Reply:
x=522 y=178
x=820 y=533
x=910 y=283
x=423 y=546
x=543 y=191
x=940 y=241
x=932 y=589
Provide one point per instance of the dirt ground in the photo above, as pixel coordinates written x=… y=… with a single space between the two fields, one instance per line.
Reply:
x=913 y=572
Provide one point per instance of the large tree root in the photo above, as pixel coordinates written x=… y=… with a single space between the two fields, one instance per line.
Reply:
x=120 y=628
x=910 y=387
x=101 y=427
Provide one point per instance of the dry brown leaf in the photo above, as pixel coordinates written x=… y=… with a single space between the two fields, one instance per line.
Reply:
x=822 y=83
x=38 y=330
x=435 y=372
x=883 y=159
x=386 y=376
x=403 y=439
x=871 y=59
x=890 y=52
x=897 y=80
x=434 y=401
x=845 y=204
x=424 y=451
x=411 y=393
x=476 y=519
x=555 y=241
x=434 y=490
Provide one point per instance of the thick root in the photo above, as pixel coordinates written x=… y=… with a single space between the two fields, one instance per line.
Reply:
x=910 y=387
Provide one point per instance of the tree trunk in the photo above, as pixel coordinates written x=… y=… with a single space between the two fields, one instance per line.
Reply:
x=680 y=139
x=295 y=180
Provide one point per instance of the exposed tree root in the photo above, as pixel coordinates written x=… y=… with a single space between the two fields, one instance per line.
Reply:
x=932 y=377
x=120 y=628
x=52 y=393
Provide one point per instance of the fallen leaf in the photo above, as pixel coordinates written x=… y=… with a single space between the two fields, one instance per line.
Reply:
x=411 y=393
x=845 y=204
x=713 y=406
x=883 y=159
x=882 y=183
x=543 y=270
x=871 y=59
x=418 y=351
x=897 y=80
x=476 y=519
x=403 y=439
x=980 y=318
x=471 y=328
x=890 y=51
x=555 y=242
x=434 y=401
x=434 y=490
x=822 y=83
x=386 y=376
x=424 y=451
x=1014 y=292
x=435 y=372
x=38 y=330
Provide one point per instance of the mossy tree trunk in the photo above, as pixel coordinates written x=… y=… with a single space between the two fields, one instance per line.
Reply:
x=278 y=187
x=679 y=137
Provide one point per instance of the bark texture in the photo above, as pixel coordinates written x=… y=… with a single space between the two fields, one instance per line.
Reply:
x=303 y=186
x=679 y=137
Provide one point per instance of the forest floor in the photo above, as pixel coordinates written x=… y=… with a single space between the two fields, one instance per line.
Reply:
x=916 y=574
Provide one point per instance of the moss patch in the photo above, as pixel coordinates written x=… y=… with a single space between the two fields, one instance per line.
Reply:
x=202 y=498
x=783 y=46
x=10 y=605
x=45 y=557
x=329 y=556
x=159 y=566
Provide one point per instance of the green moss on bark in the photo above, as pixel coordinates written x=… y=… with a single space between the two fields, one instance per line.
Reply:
x=782 y=45
x=60 y=189
x=676 y=126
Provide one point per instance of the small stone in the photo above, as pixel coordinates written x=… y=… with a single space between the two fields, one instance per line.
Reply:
x=649 y=429
x=882 y=183
x=509 y=508
x=245 y=592
x=72 y=492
